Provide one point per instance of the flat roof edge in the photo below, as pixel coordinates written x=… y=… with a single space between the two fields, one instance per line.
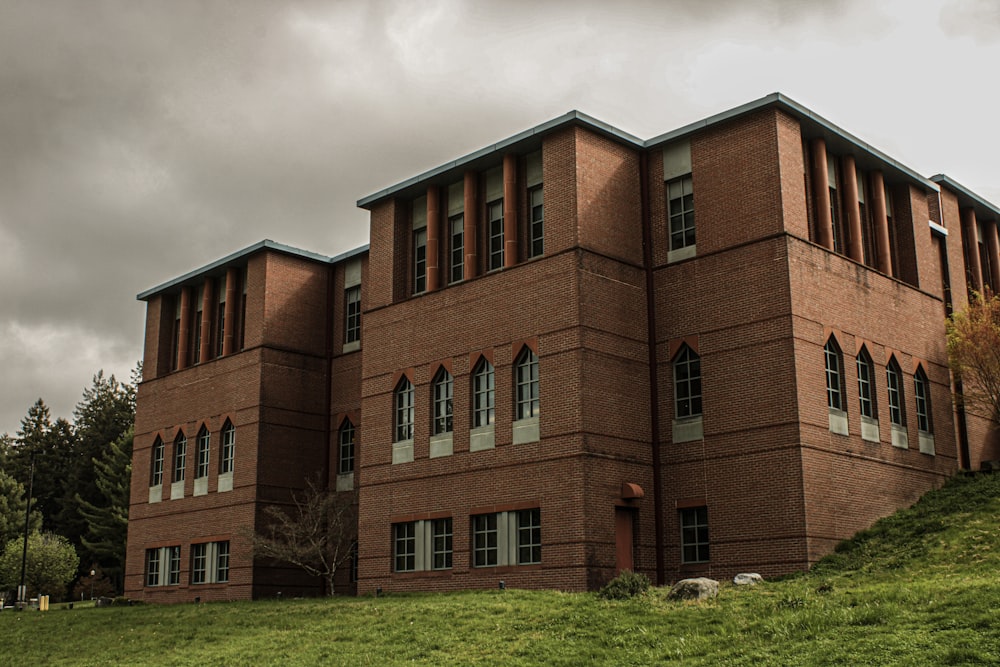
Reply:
x=952 y=184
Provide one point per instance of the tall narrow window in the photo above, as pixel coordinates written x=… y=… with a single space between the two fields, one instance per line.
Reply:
x=220 y=316
x=405 y=546
x=866 y=385
x=173 y=566
x=345 y=458
x=834 y=375
x=529 y=537
x=222 y=561
x=526 y=374
x=922 y=393
x=419 y=261
x=156 y=467
x=175 y=342
x=484 y=540
x=442 y=403
x=152 y=567
x=204 y=450
x=687 y=383
x=680 y=207
x=894 y=383
x=483 y=394
x=352 y=314
x=228 y=448
x=494 y=212
x=838 y=236
x=441 y=546
x=180 y=457
x=404 y=410
x=536 y=222
x=868 y=235
x=456 y=248
x=196 y=329
x=694 y=535
x=199 y=563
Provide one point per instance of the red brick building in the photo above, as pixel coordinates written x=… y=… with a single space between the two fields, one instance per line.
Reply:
x=570 y=353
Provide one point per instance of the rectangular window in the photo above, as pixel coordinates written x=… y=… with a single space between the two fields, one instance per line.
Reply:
x=536 y=222
x=210 y=563
x=485 y=549
x=197 y=332
x=156 y=476
x=441 y=543
x=419 y=261
x=680 y=208
x=507 y=538
x=243 y=308
x=163 y=566
x=204 y=449
x=456 y=248
x=346 y=457
x=220 y=316
x=199 y=563
x=352 y=314
x=694 y=535
x=152 y=567
x=405 y=546
x=529 y=537
x=494 y=211
x=222 y=562
x=173 y=566
x=228 y=448
x=175 y=340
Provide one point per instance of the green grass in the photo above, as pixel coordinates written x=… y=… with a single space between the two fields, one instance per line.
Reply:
x=919 y=588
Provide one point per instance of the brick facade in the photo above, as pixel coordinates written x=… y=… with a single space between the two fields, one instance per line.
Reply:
x=660 y=387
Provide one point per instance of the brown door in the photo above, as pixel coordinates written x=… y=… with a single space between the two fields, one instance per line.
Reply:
x=624 y=520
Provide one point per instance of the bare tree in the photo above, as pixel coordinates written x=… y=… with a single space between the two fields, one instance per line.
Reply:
x=317 y=534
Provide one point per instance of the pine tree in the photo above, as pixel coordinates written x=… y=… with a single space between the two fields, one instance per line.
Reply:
x=12 y=506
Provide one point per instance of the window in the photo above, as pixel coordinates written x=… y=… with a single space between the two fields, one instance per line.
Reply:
x=866 y=385
x=345 y=458
x=834 y=375
x=441 y=544
x=352 y=314
x=921 y=391
x=228 y=448
x=680 y=207
x=483 y=394
x=442 y=403
x=210 y=563
x=456 y=247
x=894 y=383
x=687 y=383
x=526 y=377
x=175 y=340
x=163 y=566
x=156 y=456
x=832 y=180
x=197 y=332
x=419 y=261
x=180 y=457
x=204 y=450
x=220 y=316
x=694 y=535
x=405 y=546
x=507 y=538
x=494 y=213
x=404 y=410
x=536 y=222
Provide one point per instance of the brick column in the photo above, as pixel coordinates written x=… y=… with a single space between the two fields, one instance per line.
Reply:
x=471 y=269
x=855 y=250
x=884 y=259
x=207 y=302
x=433 y=238
x=184 y=331
x=972 y=252
x=510 y=210
x=229 y=340
x=993 y=247
x=821 y=194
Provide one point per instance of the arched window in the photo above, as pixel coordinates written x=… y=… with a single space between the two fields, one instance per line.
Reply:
x=866 y=385
x=443 y=385
x=156 y=471
x=483 y=394
x=345 y=457
x=687 y=383
x=834 y=375
x=922 y=393
x=180 y=456
x=228 y=448
x=404 y=410
x=894 y=383
x=526 y=379
x=204 y=453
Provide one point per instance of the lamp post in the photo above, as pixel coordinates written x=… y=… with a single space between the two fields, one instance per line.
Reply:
x=22 y=591
x=92 y=573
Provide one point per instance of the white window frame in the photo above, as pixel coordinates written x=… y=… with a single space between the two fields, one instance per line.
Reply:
x=508 y=538
x=210 y=563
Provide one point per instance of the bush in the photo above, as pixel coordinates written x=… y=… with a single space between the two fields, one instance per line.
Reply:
x=625 y=586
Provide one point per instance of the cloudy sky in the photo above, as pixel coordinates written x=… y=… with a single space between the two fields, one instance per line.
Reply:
x=139 y=140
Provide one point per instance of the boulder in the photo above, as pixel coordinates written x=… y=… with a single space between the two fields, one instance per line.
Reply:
x=747 y=579
x=699 y=588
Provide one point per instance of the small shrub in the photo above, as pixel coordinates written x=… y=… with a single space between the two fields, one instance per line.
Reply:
x=625 y=586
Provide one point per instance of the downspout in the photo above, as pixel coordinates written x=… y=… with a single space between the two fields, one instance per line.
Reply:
x=654 y=398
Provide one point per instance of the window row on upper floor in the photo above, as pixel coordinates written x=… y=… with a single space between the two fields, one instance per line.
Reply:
x=525 y=407
x=484 y=223
x=209 y=319
x=868 y=398
x=180 y=464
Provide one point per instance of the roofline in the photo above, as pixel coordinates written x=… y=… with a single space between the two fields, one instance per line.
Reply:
x=963 y=191
x=233 y=258
x=572 y=118
x=801 y=112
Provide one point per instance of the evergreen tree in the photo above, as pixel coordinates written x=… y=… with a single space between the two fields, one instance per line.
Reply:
x=107 y=521
x=12 y=506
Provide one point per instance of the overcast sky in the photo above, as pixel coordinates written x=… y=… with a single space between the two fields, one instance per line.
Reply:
x=140 y=140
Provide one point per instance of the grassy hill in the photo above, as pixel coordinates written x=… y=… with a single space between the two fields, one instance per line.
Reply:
x=919 y=588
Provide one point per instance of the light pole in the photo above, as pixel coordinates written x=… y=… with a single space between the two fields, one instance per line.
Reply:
x=92 y=573
x=22 y=591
